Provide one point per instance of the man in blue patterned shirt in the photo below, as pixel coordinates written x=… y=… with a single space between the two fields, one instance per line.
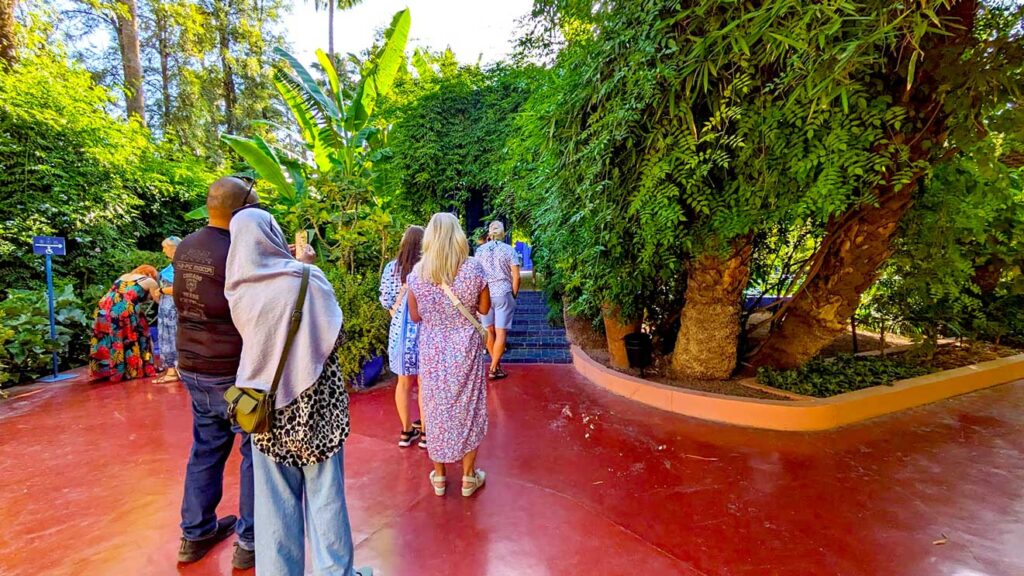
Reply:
x=501 y=268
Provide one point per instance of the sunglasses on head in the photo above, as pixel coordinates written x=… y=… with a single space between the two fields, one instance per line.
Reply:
x=245 y=199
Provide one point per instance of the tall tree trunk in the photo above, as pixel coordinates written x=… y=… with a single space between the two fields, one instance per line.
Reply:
x=853 y=251
x=709 y=328
x=165 y=67
x=228 y=81
x=857 y=244
x=8 y=43
x=330 y=29
x=126 y=22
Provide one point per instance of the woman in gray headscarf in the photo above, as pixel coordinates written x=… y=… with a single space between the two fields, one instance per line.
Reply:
x=298 y=465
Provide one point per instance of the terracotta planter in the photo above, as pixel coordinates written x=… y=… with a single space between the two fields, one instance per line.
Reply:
x=615 y=329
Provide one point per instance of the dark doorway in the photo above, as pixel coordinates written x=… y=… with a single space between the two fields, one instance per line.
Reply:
x=476 y=210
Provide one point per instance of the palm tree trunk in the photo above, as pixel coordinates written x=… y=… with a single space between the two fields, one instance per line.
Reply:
x=8 y=42
x=126 y=22
x=709 y=329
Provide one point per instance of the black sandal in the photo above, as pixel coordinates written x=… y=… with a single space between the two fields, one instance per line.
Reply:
x=406 y=438
x=497 y=374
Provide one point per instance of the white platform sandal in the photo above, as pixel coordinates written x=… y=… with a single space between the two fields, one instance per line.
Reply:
x=438 y=483
x=470 y=484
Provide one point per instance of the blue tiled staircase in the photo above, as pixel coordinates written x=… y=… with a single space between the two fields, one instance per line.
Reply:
x=532 y=339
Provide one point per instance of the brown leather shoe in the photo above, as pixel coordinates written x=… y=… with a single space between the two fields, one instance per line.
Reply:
x=243 y=559
x=194 y=550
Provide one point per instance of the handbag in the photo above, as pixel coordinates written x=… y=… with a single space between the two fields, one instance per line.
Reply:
x=250 y=409
x=465 y=311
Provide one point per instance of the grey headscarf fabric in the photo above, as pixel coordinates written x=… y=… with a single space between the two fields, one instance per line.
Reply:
x=262 y=281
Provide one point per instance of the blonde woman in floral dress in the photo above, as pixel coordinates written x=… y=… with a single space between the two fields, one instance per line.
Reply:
x=452 y=364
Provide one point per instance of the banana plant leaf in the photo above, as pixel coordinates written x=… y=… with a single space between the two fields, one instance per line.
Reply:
x=258 y=154
x=312 y=88
x=381 y=77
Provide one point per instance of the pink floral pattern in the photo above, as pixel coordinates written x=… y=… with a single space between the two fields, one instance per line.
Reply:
x=453 y=370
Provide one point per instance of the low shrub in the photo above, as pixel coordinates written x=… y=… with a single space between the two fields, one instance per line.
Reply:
x=25 y=344
x=823 y=378
x=6 y=335
x=25 y=332
x=366 y=323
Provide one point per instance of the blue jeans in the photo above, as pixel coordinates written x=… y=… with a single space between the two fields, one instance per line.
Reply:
x=302 y=501
x=212 y=439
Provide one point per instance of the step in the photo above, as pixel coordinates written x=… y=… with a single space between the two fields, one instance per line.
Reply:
x=517 y=325
x=523 y=356
x=537 y=344
x=532 y=327
x=520 y=311
x=531 y=315
x=531 y=319
x=538 y=339
x=531 y=311
x=536 y=332
x=532 y=302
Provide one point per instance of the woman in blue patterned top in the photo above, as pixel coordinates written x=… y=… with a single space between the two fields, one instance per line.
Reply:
x=167 y=316
x=403 y=349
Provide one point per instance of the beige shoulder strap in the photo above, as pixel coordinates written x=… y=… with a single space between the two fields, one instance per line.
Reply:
x=398 y=299
x=465 y=311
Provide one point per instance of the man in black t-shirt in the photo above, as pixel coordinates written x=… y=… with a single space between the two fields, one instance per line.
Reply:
x=209 y=348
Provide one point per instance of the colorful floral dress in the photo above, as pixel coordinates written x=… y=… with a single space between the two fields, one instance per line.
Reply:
x=453 y=369
x=403 y=348
x=121 y=348
x=167 y=321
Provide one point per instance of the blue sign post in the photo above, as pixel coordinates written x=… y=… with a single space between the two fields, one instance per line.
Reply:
x=50 y=246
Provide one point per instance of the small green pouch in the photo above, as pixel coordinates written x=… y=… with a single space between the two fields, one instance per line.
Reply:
x=250 y=409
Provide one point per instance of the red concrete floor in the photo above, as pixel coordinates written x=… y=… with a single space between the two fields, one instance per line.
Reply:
x=581 y=482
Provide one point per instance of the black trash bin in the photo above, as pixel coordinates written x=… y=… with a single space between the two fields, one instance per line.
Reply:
x=638 y=349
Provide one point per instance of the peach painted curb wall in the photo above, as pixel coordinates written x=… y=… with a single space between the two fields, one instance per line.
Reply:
x=803 y=415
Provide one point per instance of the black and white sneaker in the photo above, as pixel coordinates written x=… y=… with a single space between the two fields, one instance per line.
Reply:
x=408 y=437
